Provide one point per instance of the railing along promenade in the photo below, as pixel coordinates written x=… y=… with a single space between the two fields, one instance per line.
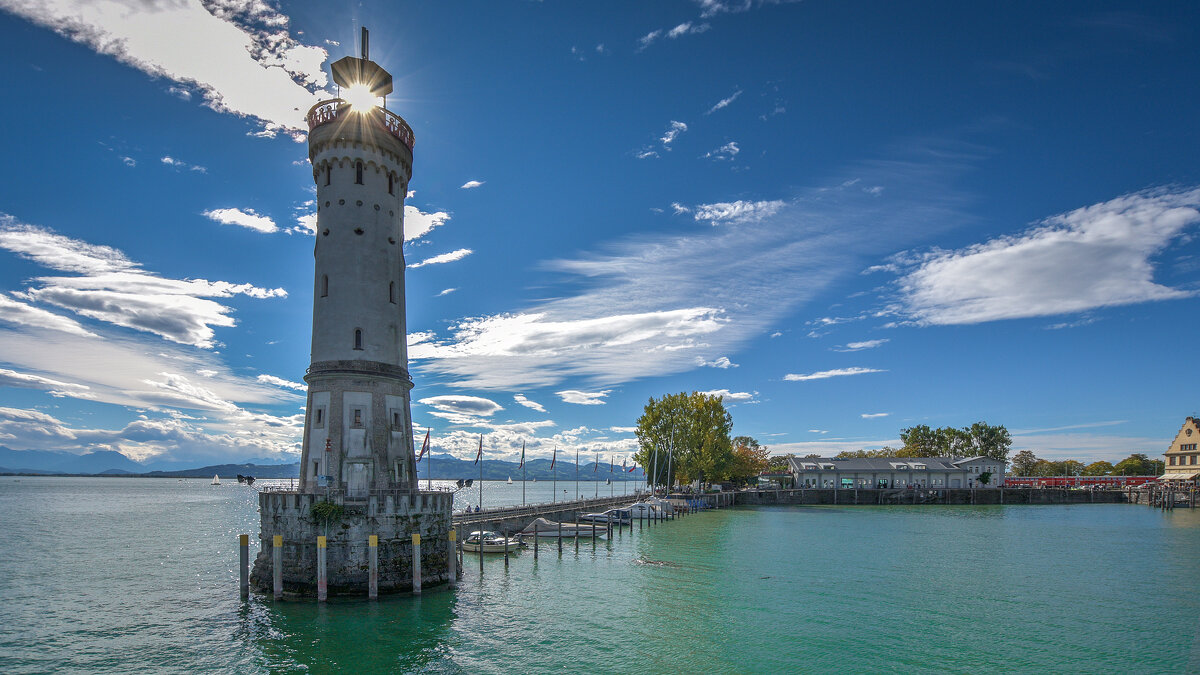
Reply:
x=335 y=109
x=595 y=504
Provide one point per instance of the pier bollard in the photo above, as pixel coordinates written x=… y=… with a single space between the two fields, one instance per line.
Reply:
x=577 y=538
x=593 y=536
x=277 y=565
x=416 y=541
x=322 y=584
x=373 y=562
x=244 y=565
x=452 y=573
x=536 y=537
x=505 y=534
x=560 y=538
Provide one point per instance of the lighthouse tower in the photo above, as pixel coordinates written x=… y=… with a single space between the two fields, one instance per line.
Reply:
x=358 y=433
x=355 y=524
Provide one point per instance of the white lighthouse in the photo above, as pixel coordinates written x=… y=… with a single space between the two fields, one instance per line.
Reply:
x=355 y=524
x=358 y=432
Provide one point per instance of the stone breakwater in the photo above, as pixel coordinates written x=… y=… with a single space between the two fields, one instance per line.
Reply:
x=963 y=496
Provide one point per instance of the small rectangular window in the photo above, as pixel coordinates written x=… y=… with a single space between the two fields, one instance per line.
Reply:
x=391 y=184
x=358 y=417
x=319 y=417
x=328 y=174
x=396 y=420
x=358 y=173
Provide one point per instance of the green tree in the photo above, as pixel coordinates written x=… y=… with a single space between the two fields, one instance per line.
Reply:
x=690 y=433
x=1100 y=468
x=779 y=463
x=749 y=460
x=989 y=441
x=1023 y=463
x=1043 y=467
x=985 y=477
x=1138 y=464
x=1071 y=467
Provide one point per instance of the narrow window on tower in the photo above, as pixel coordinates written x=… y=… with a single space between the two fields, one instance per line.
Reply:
x=358 y=338
x=324 y=285
x=391 y=184
x=358 y=417
x=392 y=292
x=328 y=173
x=358 y=172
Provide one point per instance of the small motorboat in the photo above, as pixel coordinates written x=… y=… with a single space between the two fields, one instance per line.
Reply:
x=487 y=541
x=216 y=479
x=614 y=516
x=549 y=529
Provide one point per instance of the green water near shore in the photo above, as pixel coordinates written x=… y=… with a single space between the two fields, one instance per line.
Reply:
x=106 y=575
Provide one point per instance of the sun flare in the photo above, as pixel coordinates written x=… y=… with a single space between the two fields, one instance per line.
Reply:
x=360 y=98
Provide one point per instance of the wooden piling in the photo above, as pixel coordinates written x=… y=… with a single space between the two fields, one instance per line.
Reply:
x=244 y=565
x=322 y=585
x=560 y=538
x=373 y=562
x=416 y=546
x=452 y=557
x=535 y=544
x=504 y=533
x=277 y=565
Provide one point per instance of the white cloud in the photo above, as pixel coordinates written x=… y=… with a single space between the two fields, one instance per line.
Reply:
x=732 y=395
x=646 y=153
x=687 y=28
x=280 y=382
x=116 y=290
x=679 y=208
x=246 y=218
x=709 y=8
x=418 y=224
x=520 y=398
x=129 y=161
x=180 y=164
x=446 y=291
x=472 y=184
x=724 y=102
x=461 y=409
x=826 y=374
x=673 y=131
x=623 y=430
x=306 y=223
x=719 y=362
x=237 y=55
x=871 y=416
x=58 y=388
x=1096 y=256
x=738 y=212
x=859 y=346
x=21 y=314
x=583 y=397
x=443 y=258
x=648 y=39
x=818 y=431
x=725 y=152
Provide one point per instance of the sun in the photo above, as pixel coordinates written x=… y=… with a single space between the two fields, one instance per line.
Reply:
x=360 y=98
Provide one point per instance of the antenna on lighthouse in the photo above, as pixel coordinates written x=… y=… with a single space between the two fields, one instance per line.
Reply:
x=366 y=44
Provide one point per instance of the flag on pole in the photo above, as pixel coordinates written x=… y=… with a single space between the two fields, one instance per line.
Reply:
x=522 y=464
x=424 y=446
x=479 y=455
x=596 y=469
x=611 y=463
x=554 y=458
x=623 y=469
x=633 y=468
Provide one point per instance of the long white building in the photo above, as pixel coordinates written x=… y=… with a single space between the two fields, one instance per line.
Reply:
x=897 y=472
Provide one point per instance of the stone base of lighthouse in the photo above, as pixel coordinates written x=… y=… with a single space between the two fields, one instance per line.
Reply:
x=394 y=518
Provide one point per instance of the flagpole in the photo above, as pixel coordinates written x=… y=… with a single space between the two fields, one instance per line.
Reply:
x=429 y=468
x=596 y=469
x=554 y=483
x=522 y=473
x=576 y=474
x=479 y=458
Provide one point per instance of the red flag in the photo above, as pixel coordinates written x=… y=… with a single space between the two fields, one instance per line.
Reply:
x=633 y=468
x=611 y=462
x=522 y=464
x=424 y=446
x=554 y=458
x=479 y=455
x=596 y=468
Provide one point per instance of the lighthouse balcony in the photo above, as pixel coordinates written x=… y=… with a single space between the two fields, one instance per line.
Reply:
x=339 y=111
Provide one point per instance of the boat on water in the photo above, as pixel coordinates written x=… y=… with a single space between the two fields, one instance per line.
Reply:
x=549 y=529
x=649 y=509
x=614 y=516
x=510 y=480
x=487 y=541
x=216 y=479
x=664 y=507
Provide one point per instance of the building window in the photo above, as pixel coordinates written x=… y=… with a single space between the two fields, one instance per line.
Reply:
x=358 y=417
x=1192 y=459
x=328 y=175
x=396 y=420
x=392 y=292
x=1172 y=461
x=391 y=184
x=358 y=173
x=324 y=285
x=358 y=338
x=318 y=417
x=316 y=472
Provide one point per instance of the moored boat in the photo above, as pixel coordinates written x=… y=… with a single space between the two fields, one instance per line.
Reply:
x=615 y=516
x=549 y=529
x=487 y=541
x=216 y=479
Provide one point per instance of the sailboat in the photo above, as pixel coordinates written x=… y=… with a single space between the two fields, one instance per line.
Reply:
x=510 y=480
x=216 y=479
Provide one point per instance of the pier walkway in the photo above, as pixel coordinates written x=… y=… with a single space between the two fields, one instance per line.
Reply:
x=516 y=517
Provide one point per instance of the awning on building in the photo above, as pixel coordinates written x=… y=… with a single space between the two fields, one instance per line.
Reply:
x=1178 y=476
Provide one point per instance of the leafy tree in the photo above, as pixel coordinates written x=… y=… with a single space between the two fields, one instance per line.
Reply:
x=1071 y=467
x=985 y=477
x=1100 y=468
x=1024 y=462
x=1138 y=464
x=978 y=439
x=693 y=430
x=859 y=454
x=749 y=460
x=779 y=463
x=989 y=441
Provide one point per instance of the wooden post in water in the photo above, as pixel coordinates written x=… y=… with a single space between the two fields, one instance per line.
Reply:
x=453 y=558
x=416 y=545
x=373 y=567
x=322 y=586
x=244 y=565
x=504 y=533
x=277 y=565
x=560 y=538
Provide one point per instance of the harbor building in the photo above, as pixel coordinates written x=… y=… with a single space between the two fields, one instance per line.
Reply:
x=357 y=453
x=896 y=472
x=1182 y=458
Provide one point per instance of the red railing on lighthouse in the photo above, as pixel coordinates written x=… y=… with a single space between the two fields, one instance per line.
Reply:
x=336 y=109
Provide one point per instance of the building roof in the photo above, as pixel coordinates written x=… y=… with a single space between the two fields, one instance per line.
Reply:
x=880 y=463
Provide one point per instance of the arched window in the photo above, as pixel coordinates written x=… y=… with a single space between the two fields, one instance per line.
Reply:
x=392 y=292
x=358 y=172
x=324 y=285
x=358 y=338
x=328 y=173
x=391 y=184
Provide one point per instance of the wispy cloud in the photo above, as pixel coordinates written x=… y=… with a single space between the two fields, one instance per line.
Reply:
x=673 y=130
x=583 y=397
x=418 y=224
x=533 y=405
x=738 y=212
x=57 y=388
x=238 y=56
x=826 y=374
x=246 y=218
x=720 y=362
x=280 y=382
x=180 y=164
x=726 y=152
x=709 y=8
x=446 y=291
x=1092 y=257
x=461 y=409
x=872 y=416
x=859 y=346
x=443 y=258
x=724 y=102
x=472 y=184
x=680 y=30
x=732 y=395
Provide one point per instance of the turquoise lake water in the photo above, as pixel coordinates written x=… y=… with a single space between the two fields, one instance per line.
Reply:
x=139 y=575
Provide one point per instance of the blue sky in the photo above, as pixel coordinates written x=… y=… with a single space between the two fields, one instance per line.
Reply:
x=848 y=217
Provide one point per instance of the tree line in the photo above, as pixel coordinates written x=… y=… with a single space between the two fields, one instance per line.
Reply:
x=1026 y=463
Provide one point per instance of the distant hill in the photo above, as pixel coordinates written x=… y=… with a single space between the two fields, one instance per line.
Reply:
x=57 y=461
x=448 y=467
x=231 y=470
